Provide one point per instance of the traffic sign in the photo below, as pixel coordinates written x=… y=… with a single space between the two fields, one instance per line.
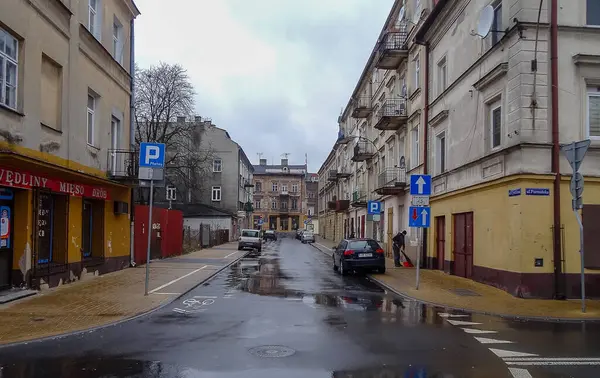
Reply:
x=420 y=185
x=575 y=152
x=152 y=155
x=171 y=193
x=420 y=201
x=374 y=207
x=419 y=216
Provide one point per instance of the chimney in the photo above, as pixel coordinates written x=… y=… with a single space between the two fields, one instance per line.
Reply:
x=180 y=119
x=263 y=162
x=198 y=118
x=284 y=162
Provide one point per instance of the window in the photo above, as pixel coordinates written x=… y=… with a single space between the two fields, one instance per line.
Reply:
x=8 y=69
x=417 y=73
x=284 y=205
x=52 y=228
x=118 y=41
x=257 y=204
x=593 y=113
x=274 y=186
x=258 y=186
x=294 y=188
x=442 y=75
x=284 y=188
x=91 y=109
x=294 y=204
x=250 y=233
x=441 y=152
x=217 y=165
x=216 y=193
x=495 y=126
x=497 y=23
x=94 y=25
x=50 y=93
x=274 y=204
x=593 y=12
x=414 y=157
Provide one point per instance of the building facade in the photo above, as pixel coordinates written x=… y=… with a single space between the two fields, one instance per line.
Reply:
x=64 y=105
x=278 y=196
x=380 y=141
x=311 y=202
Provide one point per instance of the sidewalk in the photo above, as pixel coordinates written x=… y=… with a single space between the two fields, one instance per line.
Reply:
x=441 y=289
x=110 y=298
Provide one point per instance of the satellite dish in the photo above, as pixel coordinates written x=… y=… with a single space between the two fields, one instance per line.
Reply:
x=486 y=18
x=401 y=14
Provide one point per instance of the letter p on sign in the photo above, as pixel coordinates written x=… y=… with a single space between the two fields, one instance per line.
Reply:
x=152 y=153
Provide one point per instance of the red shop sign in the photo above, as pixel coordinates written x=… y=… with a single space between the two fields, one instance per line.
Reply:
x=26 y=180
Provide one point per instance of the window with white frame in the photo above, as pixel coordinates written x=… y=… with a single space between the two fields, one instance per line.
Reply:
x=495 y=125
x=294 y=188
x=414 y=150
x=217 y=165
x=593 y=113
x=442 y=75
x=91 y=118
x=216 y=193
x=593 y=12
x=417 y=73
x=274 y=204
x=9 y=47
x=118 y=40
x=440 y=147
x=94 y=25
x=257 y=204
x=275 y=186
x=284 y=188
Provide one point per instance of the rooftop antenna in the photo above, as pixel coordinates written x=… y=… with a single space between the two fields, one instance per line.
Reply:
x=285 y=155
x=260 y=154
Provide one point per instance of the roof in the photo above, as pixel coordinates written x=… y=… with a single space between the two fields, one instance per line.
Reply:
x=262 y=169
x=202 y=210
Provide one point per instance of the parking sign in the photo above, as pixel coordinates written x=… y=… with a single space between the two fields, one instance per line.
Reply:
x=152 y=155
x=374 y=207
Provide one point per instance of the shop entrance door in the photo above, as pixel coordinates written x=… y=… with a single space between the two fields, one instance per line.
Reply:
x=6 y=237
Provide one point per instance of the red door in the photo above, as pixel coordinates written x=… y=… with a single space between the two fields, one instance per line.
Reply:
x=463 y=245
x=440 y=241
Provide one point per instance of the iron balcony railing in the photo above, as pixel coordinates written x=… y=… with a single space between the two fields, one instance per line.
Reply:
x=122 y=164
x=392 y=178
x=363 y=150
x=362 y=107
x=394 y=40
x=359 y=195
x=332 y=175
x=395 y=107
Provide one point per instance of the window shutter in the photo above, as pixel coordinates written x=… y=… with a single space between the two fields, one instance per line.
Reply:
x=594 y=115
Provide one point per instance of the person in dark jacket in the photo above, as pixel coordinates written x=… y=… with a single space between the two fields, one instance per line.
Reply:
x=397 y=245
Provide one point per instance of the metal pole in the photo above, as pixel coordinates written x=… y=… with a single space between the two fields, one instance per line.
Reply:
x=582 y=259
x=418 y=266
x=149 y=236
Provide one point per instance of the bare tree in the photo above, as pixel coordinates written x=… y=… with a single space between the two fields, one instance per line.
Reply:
x=164 y=101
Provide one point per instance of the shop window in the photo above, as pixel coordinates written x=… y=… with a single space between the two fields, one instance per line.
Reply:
x=92 y=226
x=51 y=228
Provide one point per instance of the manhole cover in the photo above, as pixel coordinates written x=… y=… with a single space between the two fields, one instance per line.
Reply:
x=272 y=351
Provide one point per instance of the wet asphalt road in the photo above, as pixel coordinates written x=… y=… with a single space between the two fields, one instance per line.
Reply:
x=286 y=314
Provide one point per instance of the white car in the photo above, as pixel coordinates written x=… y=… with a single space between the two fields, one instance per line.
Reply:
x=307 y=237
x=250 y=239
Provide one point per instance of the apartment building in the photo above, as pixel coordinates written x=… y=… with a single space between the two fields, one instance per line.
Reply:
x=65 y=84
x=380 y=141
x=278 y=196
x=311 y=202
x=499 y=107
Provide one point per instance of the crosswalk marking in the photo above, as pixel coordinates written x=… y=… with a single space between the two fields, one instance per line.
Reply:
x=460 y=322
x=485 y=340
x=477 y=331
x=520 y=373
x=447 y=315
x=509 y=353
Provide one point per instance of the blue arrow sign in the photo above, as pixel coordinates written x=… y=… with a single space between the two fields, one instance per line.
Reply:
x=419 y=216
x=420 y=185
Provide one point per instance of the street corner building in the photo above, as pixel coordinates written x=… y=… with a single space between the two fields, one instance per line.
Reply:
x=66 y=166
x=485 y=116
x=279 y=196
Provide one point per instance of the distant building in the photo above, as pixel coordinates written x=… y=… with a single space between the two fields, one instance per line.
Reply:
x=278 y=196
x=311 y=201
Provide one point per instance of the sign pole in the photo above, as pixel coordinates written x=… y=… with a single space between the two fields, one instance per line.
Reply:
x=149 y=236
x=419 y=261
x=578 y=216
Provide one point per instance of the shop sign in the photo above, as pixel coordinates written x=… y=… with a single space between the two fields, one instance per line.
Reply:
x=26 y=180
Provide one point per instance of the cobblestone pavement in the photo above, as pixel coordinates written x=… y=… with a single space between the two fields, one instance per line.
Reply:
x=112 y=297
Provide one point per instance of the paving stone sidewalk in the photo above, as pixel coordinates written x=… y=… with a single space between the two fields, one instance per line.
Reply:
x=445 y=290
x=109 y=298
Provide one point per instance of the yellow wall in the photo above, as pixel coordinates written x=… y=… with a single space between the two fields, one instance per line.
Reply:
x=510 y=232
x=116 y=227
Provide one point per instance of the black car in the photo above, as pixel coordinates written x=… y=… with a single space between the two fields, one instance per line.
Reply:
x=269 y=235
x=358 y=254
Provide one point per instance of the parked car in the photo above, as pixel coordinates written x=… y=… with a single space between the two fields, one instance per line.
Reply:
x=250 y=239
x=299 y=233
x=307 y=237
x=270 y=235
x=358 y=254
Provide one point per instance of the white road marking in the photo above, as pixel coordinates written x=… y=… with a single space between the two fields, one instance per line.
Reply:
x=177 y=279
x=478 y=331
x=555 y=363
x=168 y=293
x=521 y=359
x=485 y=340
x=460 y=322
x=293 y=299
x=520 y=373
x=179 y=310
x=205 y=296
x=446 y=315
x=509 y=353
x=231 y=254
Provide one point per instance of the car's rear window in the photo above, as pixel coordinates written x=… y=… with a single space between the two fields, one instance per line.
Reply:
x=363 y=245
x=269 y=232
x=250 y=233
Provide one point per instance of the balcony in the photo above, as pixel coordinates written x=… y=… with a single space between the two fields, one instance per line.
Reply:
x=284 y=210
x=362 y=107
x=391 y=181
x=343 y=173
x=248 y=184
x=122 y=164
x=343 y=136
x=359 y=198
x=392 y=49
x=342 y=205
x=332 y=175
x=284 y=193
x=331 y=205
x=363 y=150
x=392 y=114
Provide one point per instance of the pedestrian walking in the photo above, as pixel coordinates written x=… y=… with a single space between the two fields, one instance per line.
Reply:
x=398 y=245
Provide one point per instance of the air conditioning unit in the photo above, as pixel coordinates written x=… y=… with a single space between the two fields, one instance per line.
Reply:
x=121 y=207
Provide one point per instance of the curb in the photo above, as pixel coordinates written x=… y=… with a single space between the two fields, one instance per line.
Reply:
x=313 y=245
x=472 y=311
x=121 y=321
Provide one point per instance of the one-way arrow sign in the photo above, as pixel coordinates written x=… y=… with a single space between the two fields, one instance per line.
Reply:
x=419 y=217
x=420 y=185
x=575 y=152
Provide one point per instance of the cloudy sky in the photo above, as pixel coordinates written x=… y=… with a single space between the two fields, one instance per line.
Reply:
x=274 y=73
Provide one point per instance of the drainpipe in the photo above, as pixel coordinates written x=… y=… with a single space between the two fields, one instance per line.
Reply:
x=558 y=274
x=131 y=139
x=425 y=142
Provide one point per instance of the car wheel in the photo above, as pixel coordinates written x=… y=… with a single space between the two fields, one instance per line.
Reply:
x=335 y=267
x=381 y=270
x=239 y=248
x=343 y=270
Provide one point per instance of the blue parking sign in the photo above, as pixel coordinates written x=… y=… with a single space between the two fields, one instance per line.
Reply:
x=374 y=207
x=152 y=155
